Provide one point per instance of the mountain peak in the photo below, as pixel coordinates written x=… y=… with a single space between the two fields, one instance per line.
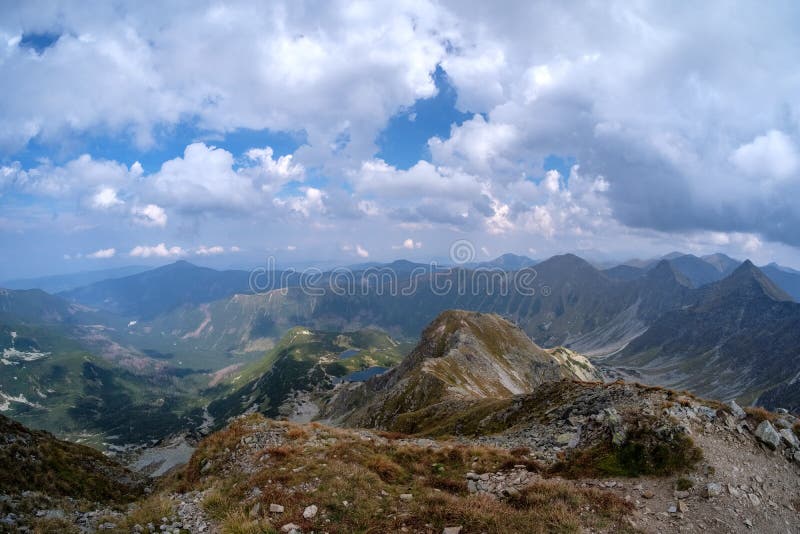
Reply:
x=747 y=278
x=665 y=270
x=462 y=355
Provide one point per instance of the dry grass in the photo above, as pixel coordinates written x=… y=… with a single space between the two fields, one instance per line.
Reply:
x=760 y=414
x=356 y=484
x=150 y=510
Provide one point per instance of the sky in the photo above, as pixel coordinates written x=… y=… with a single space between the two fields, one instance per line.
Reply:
x=136 y=133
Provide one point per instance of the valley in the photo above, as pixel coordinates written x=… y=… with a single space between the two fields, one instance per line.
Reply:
x=516 y=397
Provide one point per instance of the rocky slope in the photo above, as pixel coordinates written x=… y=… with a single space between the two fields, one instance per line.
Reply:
x=571 y=457
x=738 y=339
x=461 y=356
x=47 y=483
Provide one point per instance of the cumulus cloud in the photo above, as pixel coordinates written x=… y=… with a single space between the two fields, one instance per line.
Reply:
x=103 y=253
x=150 y=215
x=281 y=66
x=408 y=244
x=159 y=251
x=209 y=251
x=668 y=148
x=106 y=198
x=311 y=201
x=204 y=179
x=772 y=155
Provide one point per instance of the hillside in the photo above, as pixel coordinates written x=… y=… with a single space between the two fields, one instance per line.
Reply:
x=461 y=356
x=570 y=457
x=38 y=470
x=303 y=363
x=150 y=293
x=738 y=339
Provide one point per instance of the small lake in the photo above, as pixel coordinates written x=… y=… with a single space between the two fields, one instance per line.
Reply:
x=361 y=376
x=349 y=353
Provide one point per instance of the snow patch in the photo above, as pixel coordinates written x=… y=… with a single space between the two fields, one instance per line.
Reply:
x=6 y=400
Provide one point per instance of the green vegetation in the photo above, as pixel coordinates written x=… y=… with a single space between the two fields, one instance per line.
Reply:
x=36 y=461
x=645 y=452
x=304 y=360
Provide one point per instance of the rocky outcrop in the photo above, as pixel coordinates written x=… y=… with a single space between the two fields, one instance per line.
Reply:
x=462 y=356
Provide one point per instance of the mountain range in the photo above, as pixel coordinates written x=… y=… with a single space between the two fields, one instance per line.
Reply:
x=165 y=344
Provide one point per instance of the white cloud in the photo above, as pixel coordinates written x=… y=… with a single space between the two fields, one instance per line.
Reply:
x=159 y=251
x=476 y=146
x=408 y=244
x=106 y=198
x=234 y=248
x=150 y=215
x=276 y=171
x=311 y=201
x=204 y=180
x=362 y=252
x=280 y=66
x=103 y=253
x=209 y=251
x=772 y=155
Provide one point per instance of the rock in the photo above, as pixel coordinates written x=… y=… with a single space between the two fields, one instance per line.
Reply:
x=683 y=507
x=754 y=500
x=276 y=508
x=206 y=466
x=681 y=494
x=790 y=438
x=310 y=512
x=708 y=413
x=290 y=527
x=255 y=511
x=782 y=411
x=564 y=439
x=452 y=530
x=648 y=494
x=673 y=509
x=713 y=490
x=767 y=434
x=406 y=496
x=472 y=487
x=736 y=410
x=783 y=422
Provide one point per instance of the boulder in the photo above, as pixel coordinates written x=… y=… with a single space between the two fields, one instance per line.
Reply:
x=276 y=508
x=767 y=434
x=310 y=512
x=713 y=490
x=790 y=438
x=736 y=410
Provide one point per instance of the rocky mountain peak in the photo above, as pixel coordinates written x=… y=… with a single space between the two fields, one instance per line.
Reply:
x=749 y=281
x=462 y=355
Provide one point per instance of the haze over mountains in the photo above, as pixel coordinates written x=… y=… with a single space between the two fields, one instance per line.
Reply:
x=710 y=325
x=513 y=355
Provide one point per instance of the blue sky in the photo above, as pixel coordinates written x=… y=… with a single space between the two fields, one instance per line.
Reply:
x=356 y=132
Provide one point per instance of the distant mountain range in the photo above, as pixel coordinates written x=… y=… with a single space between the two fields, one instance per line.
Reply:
x=150 y=293
x=65 y=282
x=707 y=269
x=738 y=339
x=145 y=349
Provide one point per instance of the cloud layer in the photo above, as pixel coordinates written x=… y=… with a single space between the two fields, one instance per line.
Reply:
x=674 y=128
